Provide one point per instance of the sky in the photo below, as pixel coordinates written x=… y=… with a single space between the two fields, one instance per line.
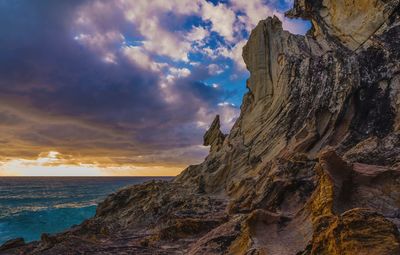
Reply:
x=122 y=87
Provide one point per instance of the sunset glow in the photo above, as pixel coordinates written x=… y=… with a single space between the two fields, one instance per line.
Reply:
x=51 y=165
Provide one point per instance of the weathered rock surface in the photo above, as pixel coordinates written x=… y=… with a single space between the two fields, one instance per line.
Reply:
x=13 y=243
x=351 y=23
x=312 y=165
x=214 y=136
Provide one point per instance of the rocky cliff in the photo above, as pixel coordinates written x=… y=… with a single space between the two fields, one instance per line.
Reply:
x=311 y=166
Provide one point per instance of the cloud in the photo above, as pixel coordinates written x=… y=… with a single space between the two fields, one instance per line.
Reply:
x=252 y=11
x=81 y=105
x=118 y=83
x=179 y=72
x=215 y=69
x=221 y=17
x=55 y=164
x=139 y=57
x=159 y=32
x=197 y=35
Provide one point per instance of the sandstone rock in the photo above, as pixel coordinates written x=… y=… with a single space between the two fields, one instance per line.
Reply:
x=352 y=23
x=311 y=166
x=357 y=231
x=214 y=136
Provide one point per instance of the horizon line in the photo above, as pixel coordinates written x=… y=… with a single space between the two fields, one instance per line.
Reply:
x=87 y=176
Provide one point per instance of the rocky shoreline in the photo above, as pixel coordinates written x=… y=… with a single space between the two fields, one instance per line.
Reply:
x=312 y=165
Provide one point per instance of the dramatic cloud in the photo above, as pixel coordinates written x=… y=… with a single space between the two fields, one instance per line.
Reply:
x=121 y=85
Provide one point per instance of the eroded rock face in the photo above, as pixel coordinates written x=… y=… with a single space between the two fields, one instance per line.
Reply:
x=350 y=22
x=311 y=166
x=214 y=136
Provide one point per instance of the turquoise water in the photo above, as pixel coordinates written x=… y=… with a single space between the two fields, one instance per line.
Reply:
x=30 y=206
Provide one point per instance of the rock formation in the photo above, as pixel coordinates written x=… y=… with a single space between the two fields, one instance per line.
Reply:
x=214 y=136
x=311 y=166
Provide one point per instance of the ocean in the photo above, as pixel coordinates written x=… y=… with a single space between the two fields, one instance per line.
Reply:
x=30 y=206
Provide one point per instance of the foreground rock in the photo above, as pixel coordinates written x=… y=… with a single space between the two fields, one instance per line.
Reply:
x=312 y=165
x=12 y=244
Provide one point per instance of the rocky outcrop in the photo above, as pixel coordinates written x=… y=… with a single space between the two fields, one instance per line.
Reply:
x=214 y=136
x=311 y=166
x=350 y=23
x=12 y=244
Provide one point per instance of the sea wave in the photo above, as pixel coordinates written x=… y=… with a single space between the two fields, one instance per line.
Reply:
x=15 y=211
x=41 y=196
x=76 y=205
x=31 y=224
x=32 y=206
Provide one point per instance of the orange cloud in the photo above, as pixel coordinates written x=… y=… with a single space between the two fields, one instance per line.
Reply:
x=53 y=164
